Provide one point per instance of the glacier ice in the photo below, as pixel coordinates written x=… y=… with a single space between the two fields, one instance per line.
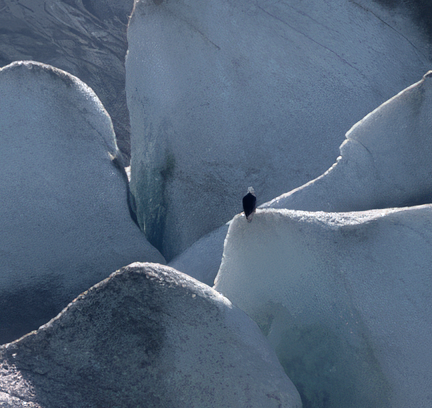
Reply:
x=384 y=161
x=344 y=298
x=224 y=95
x=63 y=206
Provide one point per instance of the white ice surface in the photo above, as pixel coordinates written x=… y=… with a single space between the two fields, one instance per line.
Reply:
x=344 y=298
x=385 y=160
x=203 y=258
x=223 y=95
x=63 y=208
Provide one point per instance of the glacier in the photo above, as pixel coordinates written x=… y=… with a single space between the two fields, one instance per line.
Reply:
x=344 y=299
x=226 y=95
x=63 y=206
x=384 y=161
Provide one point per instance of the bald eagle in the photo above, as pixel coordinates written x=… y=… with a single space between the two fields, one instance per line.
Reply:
x=249 y=204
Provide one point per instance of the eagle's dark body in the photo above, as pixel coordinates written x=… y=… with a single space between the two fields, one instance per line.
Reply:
x=249 y=204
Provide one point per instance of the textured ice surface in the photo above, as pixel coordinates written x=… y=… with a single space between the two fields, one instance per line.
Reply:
x=344 y=298
x=385 y=160
x=63 y=205
x=147 y=336
x=203 y=258
x=224 y=95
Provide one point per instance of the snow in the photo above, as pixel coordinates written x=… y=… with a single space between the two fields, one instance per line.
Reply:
x=224 y=95
x=344 y=298
x=63 y=204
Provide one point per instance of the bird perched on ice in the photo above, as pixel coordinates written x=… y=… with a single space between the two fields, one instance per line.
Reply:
x=249 y=204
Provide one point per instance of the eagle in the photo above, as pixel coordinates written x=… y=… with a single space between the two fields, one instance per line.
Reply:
x=249 y=204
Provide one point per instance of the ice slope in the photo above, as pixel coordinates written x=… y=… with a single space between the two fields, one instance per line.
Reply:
x=344 y=298
x=151 y=337
x=65 y=223
x=202 y=259
x=85 y=38
x=223 y=95
x=385 y=160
